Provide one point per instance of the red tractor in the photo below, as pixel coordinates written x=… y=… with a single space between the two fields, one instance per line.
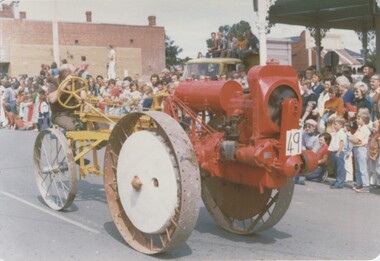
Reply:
x=238 y=151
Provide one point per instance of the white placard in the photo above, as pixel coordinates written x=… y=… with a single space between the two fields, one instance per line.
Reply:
x=293 y=142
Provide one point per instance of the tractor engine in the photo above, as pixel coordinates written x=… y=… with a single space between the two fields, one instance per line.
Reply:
x=251 y=139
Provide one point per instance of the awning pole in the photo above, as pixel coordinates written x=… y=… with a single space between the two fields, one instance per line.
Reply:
x=262 y=12
x=317 y=33
x=55 y=37
x=365 y=44
x=318 y=50
x=377 y=30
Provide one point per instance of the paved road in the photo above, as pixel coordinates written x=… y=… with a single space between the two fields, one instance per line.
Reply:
x=320 y=224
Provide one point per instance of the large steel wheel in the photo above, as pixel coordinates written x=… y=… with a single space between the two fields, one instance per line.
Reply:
x=152 y=184
x=54 y=168
x=242 y=209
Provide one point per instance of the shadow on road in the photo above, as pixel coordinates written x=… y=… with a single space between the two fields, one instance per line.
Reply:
x=181 y=251
x=209 y=226
x=90 y=192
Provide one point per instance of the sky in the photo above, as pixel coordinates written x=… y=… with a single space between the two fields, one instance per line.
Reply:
x=188 y=23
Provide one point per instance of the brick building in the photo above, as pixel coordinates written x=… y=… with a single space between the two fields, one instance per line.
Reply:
x=303 y=54
x=26 y=44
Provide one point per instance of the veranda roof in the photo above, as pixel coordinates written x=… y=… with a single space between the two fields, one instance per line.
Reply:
x=340 y=14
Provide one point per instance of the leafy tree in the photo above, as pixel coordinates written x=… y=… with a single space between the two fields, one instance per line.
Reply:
x=371 y=56
x=171 y=53
x=235 y=29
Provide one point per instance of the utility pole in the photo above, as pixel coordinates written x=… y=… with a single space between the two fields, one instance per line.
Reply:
x=262 y=13
x=55 y=35
x=377 y=32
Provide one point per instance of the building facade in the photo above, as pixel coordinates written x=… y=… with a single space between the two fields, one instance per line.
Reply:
x=26 y=44
x=304 y=55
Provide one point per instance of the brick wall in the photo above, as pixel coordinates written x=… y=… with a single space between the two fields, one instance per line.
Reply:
x=28 y=59
x=300 y=54
x=139 y=49
x=6 y=11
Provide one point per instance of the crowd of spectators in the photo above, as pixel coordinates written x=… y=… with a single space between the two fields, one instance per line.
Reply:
x=24 y=100
x=342 y=115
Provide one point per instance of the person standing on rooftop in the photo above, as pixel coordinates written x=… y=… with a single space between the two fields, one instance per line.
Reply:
x=111 y=74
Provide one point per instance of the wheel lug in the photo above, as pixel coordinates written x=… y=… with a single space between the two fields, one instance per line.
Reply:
x=136 y=183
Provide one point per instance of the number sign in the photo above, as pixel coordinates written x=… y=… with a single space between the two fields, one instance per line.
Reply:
x=293 y=142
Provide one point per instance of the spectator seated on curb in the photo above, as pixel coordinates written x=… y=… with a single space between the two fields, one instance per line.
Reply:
x=309 y=142
x=320 y=174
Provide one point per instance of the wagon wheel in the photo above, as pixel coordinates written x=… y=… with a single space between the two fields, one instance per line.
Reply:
x=54 y=168
x=151 y=179
x=69 y=92
x=242 y=209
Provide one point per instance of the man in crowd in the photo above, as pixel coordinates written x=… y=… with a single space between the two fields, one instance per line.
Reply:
x=368 y=70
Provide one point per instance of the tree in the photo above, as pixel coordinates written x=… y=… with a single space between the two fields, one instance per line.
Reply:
x=171 y=53
x=371 y=56
x=235 y=29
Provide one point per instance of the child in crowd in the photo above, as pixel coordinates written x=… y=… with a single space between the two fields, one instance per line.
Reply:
x=360 y=141
x=147 y=99
x=338 y=141
x=309 y=142
x=323 y=154
x=348 y=153
x=11 y=117
x=373 y=155
x=20 y=124
x=43 y=111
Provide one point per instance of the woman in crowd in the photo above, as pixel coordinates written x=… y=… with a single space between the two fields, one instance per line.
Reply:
x=316 y=86
x=333 y=107
x=344 y=86
x=309 y=101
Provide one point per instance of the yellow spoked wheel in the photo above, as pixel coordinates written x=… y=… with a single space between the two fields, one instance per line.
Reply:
x=69 y=92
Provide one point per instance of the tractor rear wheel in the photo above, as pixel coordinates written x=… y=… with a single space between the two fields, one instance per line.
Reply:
x=243 y=209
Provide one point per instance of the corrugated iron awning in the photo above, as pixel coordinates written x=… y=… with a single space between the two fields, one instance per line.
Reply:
x=339 y=14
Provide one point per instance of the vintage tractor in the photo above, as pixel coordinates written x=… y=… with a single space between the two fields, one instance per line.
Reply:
x=238 y=151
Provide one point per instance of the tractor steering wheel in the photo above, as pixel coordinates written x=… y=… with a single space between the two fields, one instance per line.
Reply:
x=69 y=92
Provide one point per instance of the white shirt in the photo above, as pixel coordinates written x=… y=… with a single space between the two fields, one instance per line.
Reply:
x=44 y=107
x=336 y=138
x=135 y=95
x=362 y=133
x=321 y=102
x=112 y=55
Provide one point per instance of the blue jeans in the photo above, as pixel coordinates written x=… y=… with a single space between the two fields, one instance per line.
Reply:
x=317 y=174
x=339 y=167
x=360 y=155
x=325 y=117
x=13 y=106
x=43 y=122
